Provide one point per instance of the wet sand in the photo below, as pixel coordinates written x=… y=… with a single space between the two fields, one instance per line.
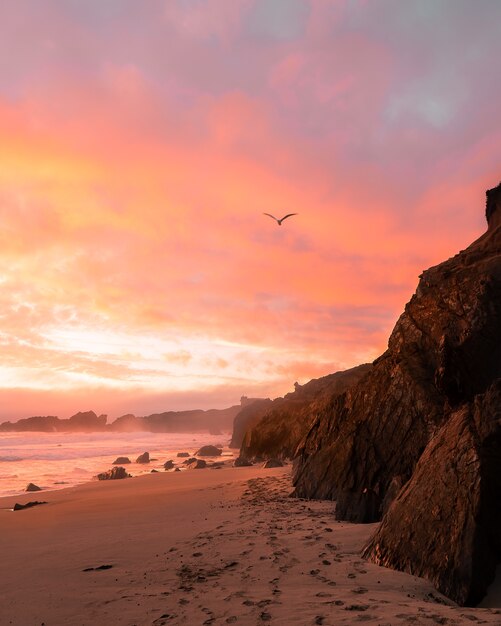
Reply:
x=201 y=547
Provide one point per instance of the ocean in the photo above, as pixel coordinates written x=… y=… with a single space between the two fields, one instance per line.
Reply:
x=59 y=460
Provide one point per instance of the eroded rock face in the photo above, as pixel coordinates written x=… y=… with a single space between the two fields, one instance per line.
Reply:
x=277 y=427
x=418 y=440
x=445 y=523
x=143 y=458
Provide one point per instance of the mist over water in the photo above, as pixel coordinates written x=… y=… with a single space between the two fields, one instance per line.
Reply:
x=59 y=460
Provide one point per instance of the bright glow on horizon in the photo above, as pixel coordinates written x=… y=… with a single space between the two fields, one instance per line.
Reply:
x=137 y=270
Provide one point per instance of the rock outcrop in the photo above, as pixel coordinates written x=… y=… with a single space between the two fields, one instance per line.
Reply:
x=197 y=464
x=417 y=442
x=168 y=465
x=116 y=473
x=143 y=458
x=32 y=487
x=209 y=451
x=121 y=460
x=277 y=427
x=250 y=413
x=80 y=422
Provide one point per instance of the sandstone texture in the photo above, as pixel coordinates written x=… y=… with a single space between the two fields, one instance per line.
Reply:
x=417 y=442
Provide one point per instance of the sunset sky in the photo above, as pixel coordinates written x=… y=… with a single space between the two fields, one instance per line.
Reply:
x=140 y=144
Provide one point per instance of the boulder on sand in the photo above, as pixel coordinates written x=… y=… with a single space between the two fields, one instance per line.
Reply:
x=169 y=465
x=32 y=487
x=183 y=454
x=121 y=460
x=273 y=463
x=197 y=464
x=113 y=474
x=209 y=451
x=143 y=458
x=242 y=462
x=190 y=460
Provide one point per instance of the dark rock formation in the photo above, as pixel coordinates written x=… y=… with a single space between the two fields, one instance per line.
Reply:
x=32 y=487
x=240 y=462
x=275 y=429
x=28 y=505
x=80 y=422
x=143 y=458
x=183 y=454
x=191 y=459
x=273 y=463
x=251 y=412
x=445 y=524
x=197 y=464
x=128 y=424
x=116 y=473
x=121 y=460
x=169 y=465
x=196 y=420
x=39 y=423
x=209 y=451
x=418 y=440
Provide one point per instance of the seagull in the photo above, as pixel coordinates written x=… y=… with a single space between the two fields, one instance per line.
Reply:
x=279 y=221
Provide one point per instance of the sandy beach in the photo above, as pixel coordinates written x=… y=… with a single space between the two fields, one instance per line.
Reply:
x=201 y=547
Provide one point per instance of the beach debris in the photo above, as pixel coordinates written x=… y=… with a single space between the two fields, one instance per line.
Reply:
x=115 y=473
x=32 y=487
x=95 y=569
x=209 y=451
x=183 y=454
x=273 y=463
x=28 y=505
x=169 y=465
x=143 y=458
x=121 y=460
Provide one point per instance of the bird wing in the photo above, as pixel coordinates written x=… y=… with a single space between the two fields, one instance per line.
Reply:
x=270 y=215
x=286 y=216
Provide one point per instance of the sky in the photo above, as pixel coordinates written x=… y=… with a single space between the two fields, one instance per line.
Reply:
x=140 y=144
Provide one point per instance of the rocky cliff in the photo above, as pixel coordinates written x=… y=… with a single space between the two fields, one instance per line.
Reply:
x=276 y=428
x=418 y=441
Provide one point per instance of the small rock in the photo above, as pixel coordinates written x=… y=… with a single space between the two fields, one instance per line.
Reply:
x=183 y=454
x=240 y=462
x=32 y=487
x=197 y=464
x=115 y=473
x=169 y=465
x=143 y=458
x=273 y=463
x=121 y=460
x=209 y=451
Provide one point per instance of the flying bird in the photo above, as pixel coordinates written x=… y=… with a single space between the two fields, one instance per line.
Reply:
x=279 y=221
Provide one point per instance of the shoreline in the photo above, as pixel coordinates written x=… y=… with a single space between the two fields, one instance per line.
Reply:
x=201 y=547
